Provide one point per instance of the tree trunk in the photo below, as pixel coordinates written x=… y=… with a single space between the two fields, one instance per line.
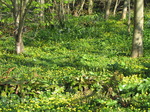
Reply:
x=107 y=10
x=90 y=7
x=124 y=11
x=17 y=8
x=68 y=8
x=19 y=43
x=41 y=13
x=81 y=7
x=0 y=13
x=115 y=8
x=61 y=13
x=137 y=43
x=129 y=16
x=78 y=7
x=19 y=11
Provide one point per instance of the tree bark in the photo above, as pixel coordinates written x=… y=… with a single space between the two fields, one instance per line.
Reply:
x=0 y=12
x=19 y=12
x=41 y=13
x=107 y=10
x=124 y=11
x=61 y=13
x=90 y=6
x=129 y=16
x=137 y=43
x=78 y=7
x=115 y=8
x=68 y=7
x=19 y=9
x=81 y=7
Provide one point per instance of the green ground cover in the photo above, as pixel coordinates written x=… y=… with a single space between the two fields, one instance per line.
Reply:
x=83 y=67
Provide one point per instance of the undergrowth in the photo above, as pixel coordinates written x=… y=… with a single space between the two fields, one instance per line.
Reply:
x=83 y=66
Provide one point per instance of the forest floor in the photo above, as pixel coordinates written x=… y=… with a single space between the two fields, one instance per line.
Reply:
x=84 y=66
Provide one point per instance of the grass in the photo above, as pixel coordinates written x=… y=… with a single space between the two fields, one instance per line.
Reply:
x=85 y=66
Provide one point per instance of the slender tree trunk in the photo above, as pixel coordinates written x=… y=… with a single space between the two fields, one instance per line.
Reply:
x=78 y=7
x=115 y=8
x=90 y=6
x=0 y=13
x=137 y=43
x=124 y=11
x=19 y=12
x=73 y=4
x=41 y=14
x=107 y=10
x=19 y=43
x=68 y=8
x=129 y=16
x=19 y=9
x=81 y=7
x=61 y=13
